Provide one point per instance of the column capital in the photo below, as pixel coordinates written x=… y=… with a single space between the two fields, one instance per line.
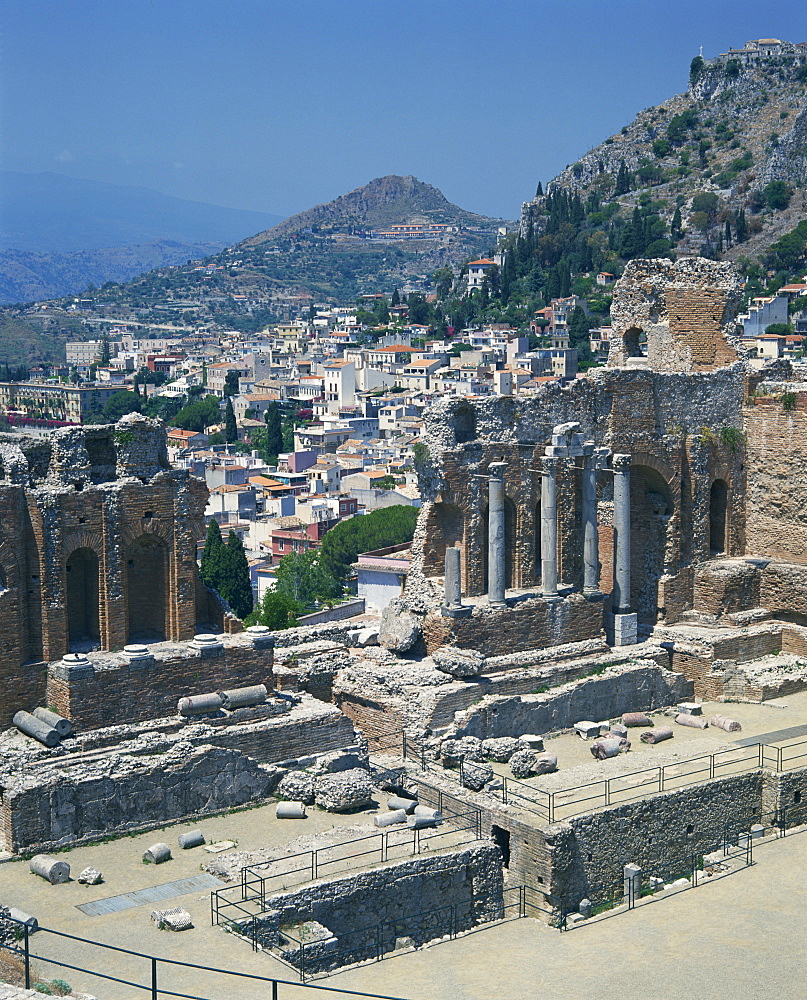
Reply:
x=620 y=463
x=549 y=464
x=496 y=469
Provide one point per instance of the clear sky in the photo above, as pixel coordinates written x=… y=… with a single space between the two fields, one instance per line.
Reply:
x=277 y=105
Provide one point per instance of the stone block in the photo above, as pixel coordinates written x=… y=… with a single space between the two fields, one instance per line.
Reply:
x=475 y=775
x=500 y=749
x=587 y=730
x=626 y=629
x=175 y=919
x=91 y=876
x=690 y=708
x=298 y=786
x=344 y=791
x=531 y=741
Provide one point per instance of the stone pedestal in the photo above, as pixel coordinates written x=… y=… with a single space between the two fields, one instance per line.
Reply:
x=626 y=629
x=632 y=883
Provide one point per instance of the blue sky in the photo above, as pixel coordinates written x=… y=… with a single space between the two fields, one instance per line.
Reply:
x=276 y=106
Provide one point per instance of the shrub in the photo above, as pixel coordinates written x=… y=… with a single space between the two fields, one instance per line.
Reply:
x=788 y=401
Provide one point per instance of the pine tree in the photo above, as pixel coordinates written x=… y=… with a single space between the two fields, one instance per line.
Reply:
x=540 y=191
x=274 y=430
x=396 y=298
x=212 y=557
x=230 y=426
x=235 y=586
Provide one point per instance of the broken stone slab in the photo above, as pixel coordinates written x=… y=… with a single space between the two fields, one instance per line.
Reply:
x=587 y=730
x=399 y=630
x=22 y=917
x=692 y=721
x=690 y=708
x=51 y=869
x=344 y=791
x=531 y=741
x=175 y=919
x=393 y=818
x=367 y=637
x=91 y=876
x=459 y=662
x=395 y=802
x=219 y=846
x=725 y=723
x=297 y=786
x=339 y=760
x=453 y=751
x=475 y=775
x=290 y=810
x=157 y=854
x=193 y=838
x=584 y=907
x=657 y=735
x=618 y=731
x=544 y=763
x=631 y=719
x=500 y=749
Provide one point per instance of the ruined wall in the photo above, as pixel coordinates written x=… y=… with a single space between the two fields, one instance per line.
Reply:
x=110 y=689
x=686 y=309
x=777 y=478
x=632 y=688
x=97 y=546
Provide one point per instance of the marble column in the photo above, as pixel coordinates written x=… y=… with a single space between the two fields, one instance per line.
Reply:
x=621 y=593
x=549 y=527
x=496 y=535
x=591 y=555
x=453 y=589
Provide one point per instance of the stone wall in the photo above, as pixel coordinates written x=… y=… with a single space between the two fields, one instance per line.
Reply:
x=417 y=898
x=110 y=689
x=630 y=688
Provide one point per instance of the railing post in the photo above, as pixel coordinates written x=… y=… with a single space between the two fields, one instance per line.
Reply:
x=607 y=793
x=551 y=807
x=711 y=766
x=779 y=758
x=504 y=790
x=27 y=958
x=661 y=779
x=154 y=979
x=403 y=745
x=274 y=989
x=313 y=865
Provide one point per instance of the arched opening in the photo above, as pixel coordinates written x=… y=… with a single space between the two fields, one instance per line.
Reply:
x=718 y=505
x=651 y=509
x=147 y=589
x=501 y=838
x=537 y=532
x=632 y=340
x=81 y=585
x=464 y=420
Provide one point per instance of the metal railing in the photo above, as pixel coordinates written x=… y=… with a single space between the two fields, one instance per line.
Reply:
x=576 y=799
x=259 y=881
x=154 y=970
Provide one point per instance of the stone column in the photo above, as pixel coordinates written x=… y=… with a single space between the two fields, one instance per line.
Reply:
x=591 y=557
x=549 y=527
x=496 y=535
x=625 y=622
x=453 y=590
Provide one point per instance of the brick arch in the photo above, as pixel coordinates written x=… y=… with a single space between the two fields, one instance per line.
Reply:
x=664 y=470
x=655 y=502
x=148 y=586
x=83 y=538
x=147 y=527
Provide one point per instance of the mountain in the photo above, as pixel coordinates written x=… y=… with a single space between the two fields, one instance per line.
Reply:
x=28 y=277
x=384 y=202
x=47 y=212
x=737 y=135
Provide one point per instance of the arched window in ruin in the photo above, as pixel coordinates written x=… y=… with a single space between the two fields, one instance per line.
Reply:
x=718 y=506
x=464 y=420
x=445 y=528
x=81 y=586
x=651 y=508
x=631 y=340
x=147 y=589
x=537 y=532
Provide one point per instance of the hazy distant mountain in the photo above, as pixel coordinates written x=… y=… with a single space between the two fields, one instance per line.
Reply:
x=381 y=203
x=48 y=212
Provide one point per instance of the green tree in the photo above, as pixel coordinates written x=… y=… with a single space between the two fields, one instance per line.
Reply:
x=385 y=526
x=302 y=577
x=695 y=69
x=277 y=611
x=676 y=227
x=105 y=349
x=231 y=383
x=198 y=415
x=274 y=430
x=776 y=195
x=235 y=585
x=120 y=404
x=212 y=556
x=230 y=426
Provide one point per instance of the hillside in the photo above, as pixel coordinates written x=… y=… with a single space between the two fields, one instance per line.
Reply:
x=740 y=125
x=383 y=202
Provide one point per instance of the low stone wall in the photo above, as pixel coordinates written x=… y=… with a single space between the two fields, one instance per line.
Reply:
x=54 y=808
x=629 y=688
x=530 y=624
x=348 y=609
x=111 y=690
x=418 y=898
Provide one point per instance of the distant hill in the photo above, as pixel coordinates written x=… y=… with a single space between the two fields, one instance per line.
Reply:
x=46 y=213
x=383 y=202
x=29 y=277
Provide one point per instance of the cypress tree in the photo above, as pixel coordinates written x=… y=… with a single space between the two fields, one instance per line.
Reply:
x=212 y=556
x=236 y=588
x=230 y=426
x=676 y=229
x=727 y=234
x=539 y=191
x=274 y=430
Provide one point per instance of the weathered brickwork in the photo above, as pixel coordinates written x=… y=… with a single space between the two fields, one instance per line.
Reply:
x=97 y=545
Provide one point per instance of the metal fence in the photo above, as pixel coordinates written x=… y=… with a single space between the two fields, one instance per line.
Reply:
x=561 y=803
x=151 y=976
